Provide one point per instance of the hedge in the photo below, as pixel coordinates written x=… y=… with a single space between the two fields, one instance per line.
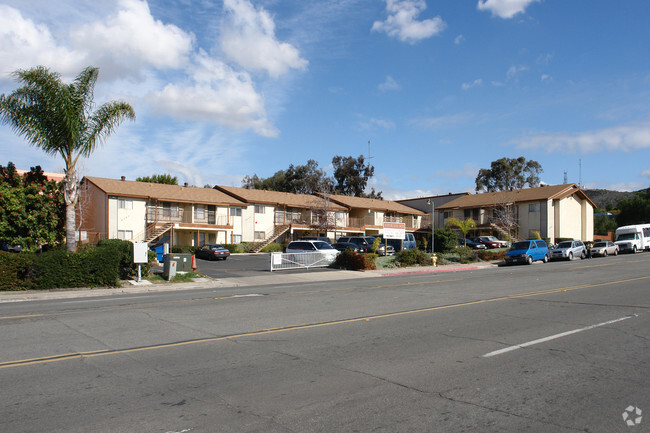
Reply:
x=93 y=266
x=348 y=259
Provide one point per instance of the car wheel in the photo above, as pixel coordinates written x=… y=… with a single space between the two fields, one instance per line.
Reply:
x=583 y=255
x=529 y=260
x=605 y=253
x=545 y=258
x=570 y=256
x=634 y=249
x=616 y=252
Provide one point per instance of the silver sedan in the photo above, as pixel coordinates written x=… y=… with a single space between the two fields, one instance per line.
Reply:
x=604 y=248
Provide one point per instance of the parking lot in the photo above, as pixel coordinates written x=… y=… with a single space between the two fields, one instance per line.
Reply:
x=243 y=265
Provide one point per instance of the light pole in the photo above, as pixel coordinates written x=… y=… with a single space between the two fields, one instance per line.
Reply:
x=432 y=226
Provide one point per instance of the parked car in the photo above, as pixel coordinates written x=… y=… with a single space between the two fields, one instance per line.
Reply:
x=313 y=247
x=472 y=244
x=363 y=243
x=385 y=248
x=317 y=238
x=527 y=252
x=567 y=250
x=342 y=246
x=212 y=252
x=491 y=242
x=604 y=248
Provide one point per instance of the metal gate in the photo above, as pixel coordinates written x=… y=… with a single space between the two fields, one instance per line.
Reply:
x=304 y=260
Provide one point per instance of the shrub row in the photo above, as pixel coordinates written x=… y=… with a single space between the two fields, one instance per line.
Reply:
x=412 y=257
x=92 y=266
x=348 y=259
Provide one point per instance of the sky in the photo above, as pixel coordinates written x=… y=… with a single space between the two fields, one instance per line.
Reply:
x=430 y=91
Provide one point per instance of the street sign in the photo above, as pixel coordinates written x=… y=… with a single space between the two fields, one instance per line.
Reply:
x=394 y=230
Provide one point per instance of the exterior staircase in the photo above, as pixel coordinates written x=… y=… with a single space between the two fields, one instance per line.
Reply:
x=153 y=232
x=277 y=232
x=513 y=237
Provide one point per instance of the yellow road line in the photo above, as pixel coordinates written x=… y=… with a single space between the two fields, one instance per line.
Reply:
x=20 y=317
x=92 y=354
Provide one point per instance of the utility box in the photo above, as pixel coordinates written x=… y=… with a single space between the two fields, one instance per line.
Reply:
x=169 y=270
x=140 y=252
x=183 y=261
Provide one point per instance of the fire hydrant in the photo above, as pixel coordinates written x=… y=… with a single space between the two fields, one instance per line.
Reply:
x=434 y=259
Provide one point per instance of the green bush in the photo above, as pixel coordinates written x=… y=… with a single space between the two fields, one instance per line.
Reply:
x=467 y=255
x=233 y=248
x=412 y=257
x=89 y=268
x=348 y=259
x=445 y=240
x=184 y=249
x=491 y=255
x=273 y=248
x=13 y=271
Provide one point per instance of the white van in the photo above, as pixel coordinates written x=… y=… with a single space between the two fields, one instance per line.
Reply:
x=633 y=238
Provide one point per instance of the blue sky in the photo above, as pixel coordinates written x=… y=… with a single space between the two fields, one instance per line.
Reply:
x=224 y=89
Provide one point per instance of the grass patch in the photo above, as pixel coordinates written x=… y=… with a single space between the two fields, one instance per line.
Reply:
x=179 y=278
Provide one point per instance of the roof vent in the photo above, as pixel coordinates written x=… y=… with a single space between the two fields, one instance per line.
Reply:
x=123 y=178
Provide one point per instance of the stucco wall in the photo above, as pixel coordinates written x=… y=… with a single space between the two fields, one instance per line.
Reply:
x=127 y=219
x=569 y=225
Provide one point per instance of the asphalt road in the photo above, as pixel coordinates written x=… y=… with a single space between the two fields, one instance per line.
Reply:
x=558 y=347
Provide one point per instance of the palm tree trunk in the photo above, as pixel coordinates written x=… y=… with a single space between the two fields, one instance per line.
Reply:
x=71 y=193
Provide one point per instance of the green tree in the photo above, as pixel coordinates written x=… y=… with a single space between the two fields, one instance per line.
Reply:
x=464 y=226
x=352 y=175
x=32 y=209
x=301 y=179
x=59 y=119
x=165 y=178
x=636 y=210
x=604 y=224
x=509 y=173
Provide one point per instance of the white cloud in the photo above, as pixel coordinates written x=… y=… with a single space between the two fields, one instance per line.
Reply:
x=469 y=170
x=24 y=44
x=389 y=84
x=216 y=93
x=646 y=173
x=402 y=21
x=441 y=121
x=459 y=39
x=248 y=38
x=373 y=123
x=476 y=82
x=505 y=8
x=626 y=138
x=514 y=72
x=133 y=38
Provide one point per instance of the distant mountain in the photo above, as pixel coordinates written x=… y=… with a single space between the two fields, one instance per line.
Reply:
x=604 y=197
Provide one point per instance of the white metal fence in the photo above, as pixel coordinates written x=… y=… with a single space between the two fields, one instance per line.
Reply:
x=304 y=260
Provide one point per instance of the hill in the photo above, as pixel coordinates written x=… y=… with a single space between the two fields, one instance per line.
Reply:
x=605 y=197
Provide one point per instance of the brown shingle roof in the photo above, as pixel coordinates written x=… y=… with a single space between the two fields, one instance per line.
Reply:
x=280 y=199
x=373 y=204
x=176 y=193
x=489 y=199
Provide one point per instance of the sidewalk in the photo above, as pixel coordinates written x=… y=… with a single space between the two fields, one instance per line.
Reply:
x=273 y=278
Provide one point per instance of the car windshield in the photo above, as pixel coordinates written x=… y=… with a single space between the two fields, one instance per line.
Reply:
x=625 y=237
x=562 y=245
x=523 y=245
x=490 y=238
x=600 y=244
x=322 y=246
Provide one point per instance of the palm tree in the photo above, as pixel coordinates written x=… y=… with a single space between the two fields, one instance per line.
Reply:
x=464 y=226
x=59 y=119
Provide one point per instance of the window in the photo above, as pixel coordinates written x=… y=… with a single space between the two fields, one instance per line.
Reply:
x=260 y=236
x=259 y=208
x=125 y=234
x=201 y=238
x=235 y=211
x=467 y=213
x=474 y=214
x=236 y=239
x=124 y=203
x=533 y=207
x=199 y=212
